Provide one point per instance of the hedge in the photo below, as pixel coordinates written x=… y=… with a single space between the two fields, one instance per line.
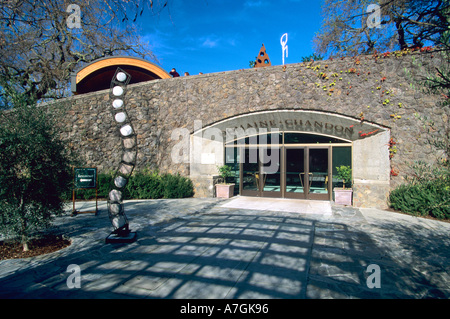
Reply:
x=143 y=185
x=427 y=198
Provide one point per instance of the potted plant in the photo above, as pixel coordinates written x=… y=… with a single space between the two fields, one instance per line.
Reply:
x=224 y=190
x=343 y=196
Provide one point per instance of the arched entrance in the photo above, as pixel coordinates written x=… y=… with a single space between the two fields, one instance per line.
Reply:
x=294 y=154
x=287 y=164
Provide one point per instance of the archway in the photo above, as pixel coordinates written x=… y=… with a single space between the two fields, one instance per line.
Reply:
x=96 y=75
x=301 y=148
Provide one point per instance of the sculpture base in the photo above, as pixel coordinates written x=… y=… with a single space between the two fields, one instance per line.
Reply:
x=116 y=239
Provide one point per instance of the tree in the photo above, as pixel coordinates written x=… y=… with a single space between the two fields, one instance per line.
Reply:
x=439 y=83
x=40 y=45
x=35 y=169
x=349 y=28
x=312 y=57
x=344 y=173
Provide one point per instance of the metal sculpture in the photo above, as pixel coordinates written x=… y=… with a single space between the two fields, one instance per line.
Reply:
x=262 y=60
x=284 y=47
x=121 y=233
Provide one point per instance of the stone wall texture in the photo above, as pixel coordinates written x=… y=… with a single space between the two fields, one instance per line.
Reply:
x=382 y=89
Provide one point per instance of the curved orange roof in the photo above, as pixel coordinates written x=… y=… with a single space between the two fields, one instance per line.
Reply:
x=98 y=74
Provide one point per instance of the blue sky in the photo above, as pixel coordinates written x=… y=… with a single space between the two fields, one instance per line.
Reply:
x=222 y=35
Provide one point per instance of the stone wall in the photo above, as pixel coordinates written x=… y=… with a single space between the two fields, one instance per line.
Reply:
x=379 y=89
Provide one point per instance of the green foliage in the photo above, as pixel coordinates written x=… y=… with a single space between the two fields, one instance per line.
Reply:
x=176 y=186
x=143 y=184
x=422 y=172
x=426 y=193
x=344 y=173
x=427 y=198
x=35 y=171
x=314 y=57
x=225 y=172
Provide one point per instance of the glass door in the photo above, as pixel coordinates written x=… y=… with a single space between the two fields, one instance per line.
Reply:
x=318 y=173
x=251 y=177
x=296 y=181
x=261 y=175
x=270 y=170
x=302 y=172
x=307 y=173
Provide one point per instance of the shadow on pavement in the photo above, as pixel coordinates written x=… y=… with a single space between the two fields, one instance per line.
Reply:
x=218 y=253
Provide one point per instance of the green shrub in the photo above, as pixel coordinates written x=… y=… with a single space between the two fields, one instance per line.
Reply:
x=35 y=171
x=142 y=185
x=104 y=184
x=225 y=172
x=422 y=172
x=344 y=173
x=176 y=186
x=422 y=199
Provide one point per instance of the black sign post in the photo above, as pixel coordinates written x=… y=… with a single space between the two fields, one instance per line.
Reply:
x=85 y=178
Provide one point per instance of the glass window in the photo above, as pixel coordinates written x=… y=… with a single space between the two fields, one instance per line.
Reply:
x=232 y=159
x=299 y=138
x=301 y=175
x=275 y=138
x=342 y=155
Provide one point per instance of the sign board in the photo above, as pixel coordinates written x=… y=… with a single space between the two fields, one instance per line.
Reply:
x=85 y=178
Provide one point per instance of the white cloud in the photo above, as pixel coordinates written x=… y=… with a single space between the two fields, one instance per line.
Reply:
x=232 y=42
x=255 y=3
x=210 y=43
x=214 y=41
x=158 y=41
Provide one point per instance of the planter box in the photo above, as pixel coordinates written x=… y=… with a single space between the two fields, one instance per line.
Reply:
x=343 y=196
x=224 y=190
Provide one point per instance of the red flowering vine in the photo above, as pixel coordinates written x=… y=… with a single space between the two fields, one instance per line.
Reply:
x=392 y=148
x=394 y=172
x=427 y=49
x=361 y=134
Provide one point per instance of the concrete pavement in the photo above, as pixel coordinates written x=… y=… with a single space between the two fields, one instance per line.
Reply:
x=230 y=249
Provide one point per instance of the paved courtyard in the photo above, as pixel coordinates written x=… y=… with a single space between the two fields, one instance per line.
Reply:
x=240 y=248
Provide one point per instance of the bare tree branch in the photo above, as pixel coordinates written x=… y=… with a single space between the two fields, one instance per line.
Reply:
x=38 y=51
x=405 y=23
